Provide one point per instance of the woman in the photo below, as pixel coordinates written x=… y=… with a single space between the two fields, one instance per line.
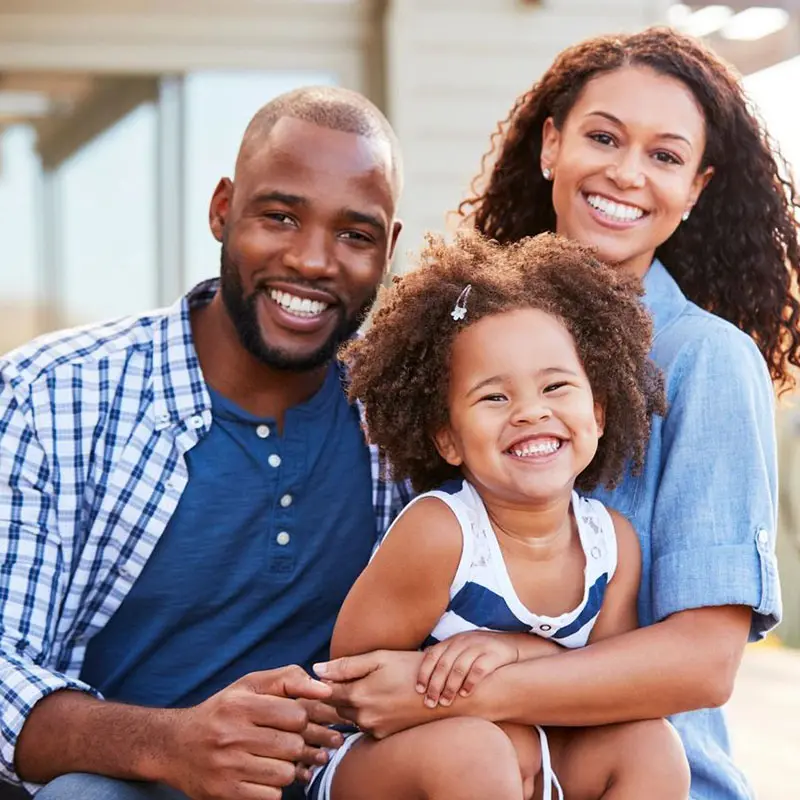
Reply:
x=644 y=147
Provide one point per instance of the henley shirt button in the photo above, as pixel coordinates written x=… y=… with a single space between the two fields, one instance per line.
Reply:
x=595 y=551
x=196 y=422
x=545 y=628
x=274 y=460
x=262 y=431
x=762 y=536
x=283 y=538
x=286 y=500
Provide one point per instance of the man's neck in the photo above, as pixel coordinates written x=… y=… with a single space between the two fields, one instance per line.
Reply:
x=241 y=377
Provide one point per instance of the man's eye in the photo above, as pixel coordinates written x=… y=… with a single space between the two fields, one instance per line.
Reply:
x=277 y=216
x=356 y=236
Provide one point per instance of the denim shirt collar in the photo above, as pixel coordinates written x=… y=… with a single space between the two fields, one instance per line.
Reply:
x=662 y=296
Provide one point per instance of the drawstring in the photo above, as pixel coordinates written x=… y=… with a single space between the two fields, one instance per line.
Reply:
x=549 y=779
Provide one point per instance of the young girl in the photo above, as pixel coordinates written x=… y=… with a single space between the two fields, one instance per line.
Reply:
x=499 y=380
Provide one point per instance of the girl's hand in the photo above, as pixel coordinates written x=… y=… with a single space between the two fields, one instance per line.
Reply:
x=458 y=664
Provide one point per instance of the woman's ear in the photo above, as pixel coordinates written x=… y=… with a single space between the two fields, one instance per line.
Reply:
x=551 y=141
x=446 y=446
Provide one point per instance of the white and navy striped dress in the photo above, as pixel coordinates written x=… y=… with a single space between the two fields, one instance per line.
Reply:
x=482 y=597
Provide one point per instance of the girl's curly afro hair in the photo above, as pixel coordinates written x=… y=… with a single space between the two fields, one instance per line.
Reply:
x=400 y=369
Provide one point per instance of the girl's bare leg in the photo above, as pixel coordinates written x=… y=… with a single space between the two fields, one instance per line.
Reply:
x=462 y=758
x=628 y=761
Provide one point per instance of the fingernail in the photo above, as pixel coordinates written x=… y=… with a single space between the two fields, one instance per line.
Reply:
x=430 y=702
x=445 y=701
x=421 y=688
x=338 y=742
x=464 y=692
x=321 y=757
x=320 y=669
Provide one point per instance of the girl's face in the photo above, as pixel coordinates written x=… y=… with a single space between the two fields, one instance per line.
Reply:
x=626 y=164
x=523 y=421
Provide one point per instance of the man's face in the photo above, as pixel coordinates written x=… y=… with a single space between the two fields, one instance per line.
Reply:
x=307 y=233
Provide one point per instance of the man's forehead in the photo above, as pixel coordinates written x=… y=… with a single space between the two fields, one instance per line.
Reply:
x=294 y=144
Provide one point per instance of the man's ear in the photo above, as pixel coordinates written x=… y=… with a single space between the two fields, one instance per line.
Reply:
x=446 y=447
x=219 y=208
x=397 y=226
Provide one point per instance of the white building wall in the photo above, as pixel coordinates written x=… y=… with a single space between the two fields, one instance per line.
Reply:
x=455 y=67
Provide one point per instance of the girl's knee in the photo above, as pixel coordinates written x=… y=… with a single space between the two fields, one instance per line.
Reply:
x=654 y=745
x=479 y=754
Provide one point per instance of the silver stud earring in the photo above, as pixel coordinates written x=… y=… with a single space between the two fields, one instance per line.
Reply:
x=686 y=214
x=547 y=173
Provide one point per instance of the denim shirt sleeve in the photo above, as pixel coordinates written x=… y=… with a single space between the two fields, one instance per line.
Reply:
x=715 y=514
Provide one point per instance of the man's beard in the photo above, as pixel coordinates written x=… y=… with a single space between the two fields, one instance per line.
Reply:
x=243 y=314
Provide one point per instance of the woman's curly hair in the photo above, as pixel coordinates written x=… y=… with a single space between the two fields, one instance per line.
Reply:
x=400 y=368
x=738 y=255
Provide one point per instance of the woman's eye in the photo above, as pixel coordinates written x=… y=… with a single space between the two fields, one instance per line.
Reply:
x=602 y=138
x=667 y=158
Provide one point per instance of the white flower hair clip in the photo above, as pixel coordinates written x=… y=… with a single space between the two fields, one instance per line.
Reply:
x=460 y=309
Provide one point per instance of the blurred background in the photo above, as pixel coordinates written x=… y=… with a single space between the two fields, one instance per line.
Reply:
x=118 y=117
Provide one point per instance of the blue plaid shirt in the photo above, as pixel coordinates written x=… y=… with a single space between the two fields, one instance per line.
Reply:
x=94 y=427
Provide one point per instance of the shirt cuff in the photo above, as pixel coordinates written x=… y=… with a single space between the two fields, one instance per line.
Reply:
x=722 y=575
x=21 y=688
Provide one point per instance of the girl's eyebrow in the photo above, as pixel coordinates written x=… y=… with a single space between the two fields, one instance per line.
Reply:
x=486 y=382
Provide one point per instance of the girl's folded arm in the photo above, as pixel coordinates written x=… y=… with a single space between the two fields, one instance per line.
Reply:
x=399 y=597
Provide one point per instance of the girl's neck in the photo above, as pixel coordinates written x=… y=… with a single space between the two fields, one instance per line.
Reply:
x=536 y=531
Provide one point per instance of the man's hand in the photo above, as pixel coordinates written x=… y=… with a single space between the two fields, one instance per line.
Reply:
x=318 y=733
x=249 y=740
x=376 y=691
x=458 y=664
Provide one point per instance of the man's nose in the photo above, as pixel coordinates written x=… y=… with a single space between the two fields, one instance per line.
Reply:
x=309 y=253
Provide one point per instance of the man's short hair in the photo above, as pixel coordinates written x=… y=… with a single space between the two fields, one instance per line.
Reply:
x=329 y=107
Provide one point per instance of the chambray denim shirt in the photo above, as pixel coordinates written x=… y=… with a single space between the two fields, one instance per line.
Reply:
x=705 y=505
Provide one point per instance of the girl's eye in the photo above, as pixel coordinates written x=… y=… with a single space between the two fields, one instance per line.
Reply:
x=666 y=157
x=554 y=387
x=602 y=138
x=494 y=398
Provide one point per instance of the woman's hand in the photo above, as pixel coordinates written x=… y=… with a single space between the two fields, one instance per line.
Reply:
x=458 y=664
x=376 y=691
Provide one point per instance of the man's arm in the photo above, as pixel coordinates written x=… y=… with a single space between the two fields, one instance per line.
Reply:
x=249 y=733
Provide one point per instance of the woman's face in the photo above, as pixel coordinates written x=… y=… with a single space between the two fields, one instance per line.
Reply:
x=626 y=164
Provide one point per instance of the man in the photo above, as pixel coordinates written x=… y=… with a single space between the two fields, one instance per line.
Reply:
x=187 y=495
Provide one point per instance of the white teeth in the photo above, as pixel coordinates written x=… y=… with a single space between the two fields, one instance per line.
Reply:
x=541 y=448
x=616 y=211
x=299 y=306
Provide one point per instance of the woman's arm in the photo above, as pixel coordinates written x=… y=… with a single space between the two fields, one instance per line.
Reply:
x=399 y=597
x=618 y=613
x=686 y=662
